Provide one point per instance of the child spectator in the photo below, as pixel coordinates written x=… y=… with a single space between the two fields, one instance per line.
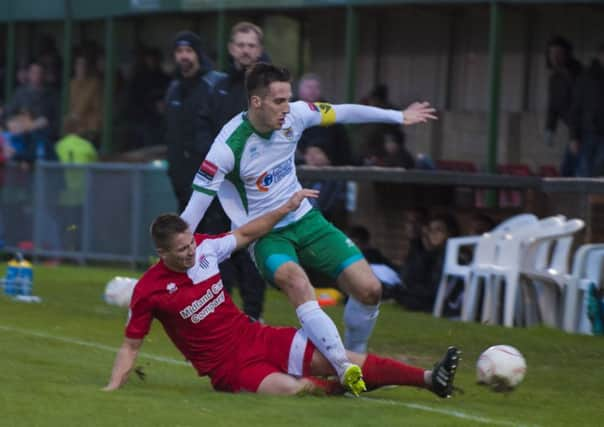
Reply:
x=421 y=273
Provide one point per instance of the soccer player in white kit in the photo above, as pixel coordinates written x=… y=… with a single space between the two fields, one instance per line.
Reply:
x=251 y=168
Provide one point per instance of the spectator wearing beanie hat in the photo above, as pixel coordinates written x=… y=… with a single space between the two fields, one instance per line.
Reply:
x=185 y=43
x=186 y=94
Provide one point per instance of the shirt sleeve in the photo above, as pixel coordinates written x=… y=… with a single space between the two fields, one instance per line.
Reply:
x=208 y=179
x=140 y=316
x=354 y=113
x=222 y=245
x=217 y=164
x=196 y=208
x=308 y=114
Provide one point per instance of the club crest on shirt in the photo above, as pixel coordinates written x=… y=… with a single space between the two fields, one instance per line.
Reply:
x=207 y=170
x=203 y=262
x=288 y=133
x=254 y=152
x=171 y=287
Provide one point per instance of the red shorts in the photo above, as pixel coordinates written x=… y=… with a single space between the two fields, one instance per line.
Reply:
x=262 y=351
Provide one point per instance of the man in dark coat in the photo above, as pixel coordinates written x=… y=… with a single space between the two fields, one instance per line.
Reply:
x=229 y=98
x=186 y=95
x=587 y=118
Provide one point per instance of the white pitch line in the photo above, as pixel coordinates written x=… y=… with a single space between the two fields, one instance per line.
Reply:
x=89 y=344
x=452 y=413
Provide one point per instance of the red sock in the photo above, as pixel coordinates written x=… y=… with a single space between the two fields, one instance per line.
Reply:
x=330 y=387
x=380 y=371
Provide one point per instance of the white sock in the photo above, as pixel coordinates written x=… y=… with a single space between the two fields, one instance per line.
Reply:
x=359 y=320
x=323 y=333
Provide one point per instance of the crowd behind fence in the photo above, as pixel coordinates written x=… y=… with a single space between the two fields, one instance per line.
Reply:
x=95 y=212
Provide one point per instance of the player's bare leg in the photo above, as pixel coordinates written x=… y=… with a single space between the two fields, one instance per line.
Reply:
x=317 y=325
x=284 y=384
x=362 y=308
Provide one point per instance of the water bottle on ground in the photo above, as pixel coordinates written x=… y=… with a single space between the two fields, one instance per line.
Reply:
x=10 y=280
x=26 y=277
x=19 y=277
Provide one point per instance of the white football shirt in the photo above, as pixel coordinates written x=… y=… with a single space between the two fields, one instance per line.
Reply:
x=254 y=173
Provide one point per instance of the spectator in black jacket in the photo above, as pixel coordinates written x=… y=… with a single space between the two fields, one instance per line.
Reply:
x=146 y=91
x=420 y=275
x=564 y=69
x=563 y=72
x=229 y=98
x=186 y=94
x=40 y=102
x=587 y=118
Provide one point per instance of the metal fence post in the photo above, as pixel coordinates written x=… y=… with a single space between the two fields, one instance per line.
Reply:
x=9 y=78
x=67 y=42
x=39 y=192
x=494 y=92
x=352 y=49
x=135 y=216
x=107 y=144
x=86 y=212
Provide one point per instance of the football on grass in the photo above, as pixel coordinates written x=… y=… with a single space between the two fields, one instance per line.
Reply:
x=119 y=291
x=501 y=367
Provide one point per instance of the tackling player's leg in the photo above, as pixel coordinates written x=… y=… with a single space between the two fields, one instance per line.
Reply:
x=382 y=371
x=317 y=325
x=285 y=384
x=362 y=308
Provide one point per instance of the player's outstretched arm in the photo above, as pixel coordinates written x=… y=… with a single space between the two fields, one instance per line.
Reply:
x=196 y=209
x=251 y=231
x=124 y=362
x=418 y=112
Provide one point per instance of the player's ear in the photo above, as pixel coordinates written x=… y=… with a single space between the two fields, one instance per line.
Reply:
x=255 y=101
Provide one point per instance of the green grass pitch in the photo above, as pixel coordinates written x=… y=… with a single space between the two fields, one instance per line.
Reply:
x=56 y=356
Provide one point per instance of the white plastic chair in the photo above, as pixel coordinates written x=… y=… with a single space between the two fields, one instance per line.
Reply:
x=587 y=268
x=503 y=268
x=548 y=276
x=452 y=268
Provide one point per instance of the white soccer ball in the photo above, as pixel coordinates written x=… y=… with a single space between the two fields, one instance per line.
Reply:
x=502 y=367
x=119 y=291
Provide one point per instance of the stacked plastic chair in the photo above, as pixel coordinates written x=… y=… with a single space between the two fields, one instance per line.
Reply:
x=547 y=275
x=484 y=252
x=588 y=266
x=502 y=269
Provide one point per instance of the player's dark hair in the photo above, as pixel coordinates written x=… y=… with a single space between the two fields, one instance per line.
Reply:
x=165 y=227
x=260 y=75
